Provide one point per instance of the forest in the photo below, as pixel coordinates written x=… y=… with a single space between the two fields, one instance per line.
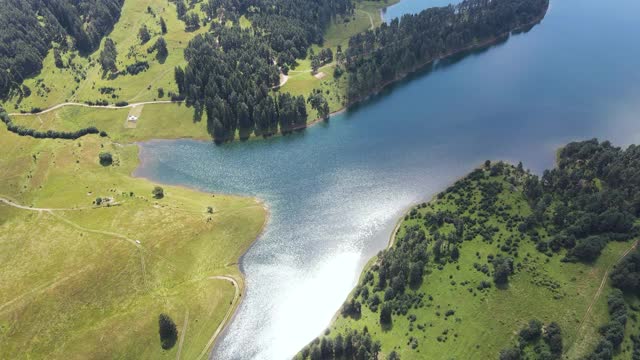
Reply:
x=382 y=55
x=231 y=70
x=28 y=29
x=228 y=77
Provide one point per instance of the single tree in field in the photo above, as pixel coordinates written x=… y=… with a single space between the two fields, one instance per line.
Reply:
x=502 y=268
x=168 y=332
x=105 y=159
x=181 y=9
x=158 y=192
x=108 y=56
x=385 y=314
x=315 y=64
x=455 y=253
x=163 y=25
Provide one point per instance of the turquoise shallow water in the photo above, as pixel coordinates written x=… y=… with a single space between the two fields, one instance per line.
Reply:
x=335 y=190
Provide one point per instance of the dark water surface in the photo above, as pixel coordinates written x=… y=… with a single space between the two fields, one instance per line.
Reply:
x=412 y=7
x=336 y=190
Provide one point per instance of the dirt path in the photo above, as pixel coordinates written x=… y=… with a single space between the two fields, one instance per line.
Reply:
x=370 y=18
x=182 y=333
x=11 y=203
x=42 y=288
x=603 y=282
x=94 y=231
x=283 y=80
x=50 y=211
x=230 y=312
x=55 y=107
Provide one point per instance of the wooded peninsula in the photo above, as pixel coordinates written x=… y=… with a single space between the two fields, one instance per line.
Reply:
x=499 y=249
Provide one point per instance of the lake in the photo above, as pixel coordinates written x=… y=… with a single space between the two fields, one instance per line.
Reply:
x=336 y=190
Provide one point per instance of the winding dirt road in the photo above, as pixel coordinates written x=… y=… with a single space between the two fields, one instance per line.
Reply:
x=603 y=282
x=55 y=107
x=230 y=312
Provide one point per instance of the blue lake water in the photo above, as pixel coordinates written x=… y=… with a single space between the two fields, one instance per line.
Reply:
x=336 y=190
x=412 y=7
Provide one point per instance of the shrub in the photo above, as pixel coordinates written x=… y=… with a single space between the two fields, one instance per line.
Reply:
x=531 y=332
x=158 y=192
x=503 y=267
x=510 y=354
x=105 y=159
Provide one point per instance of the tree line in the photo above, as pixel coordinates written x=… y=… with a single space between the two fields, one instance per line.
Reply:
x=382 y=55
x=49 y=134
x=28 y=28
x=591 y=198
x=353 y=345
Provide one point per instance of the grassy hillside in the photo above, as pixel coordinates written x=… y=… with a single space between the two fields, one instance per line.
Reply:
x=82 y=77
x=448 y=313
x=74 y=281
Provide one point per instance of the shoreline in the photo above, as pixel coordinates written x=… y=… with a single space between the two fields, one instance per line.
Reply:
x=393 y=234
x=138 y=144
x=222 y=328
x=483 y=44
x=476 y=46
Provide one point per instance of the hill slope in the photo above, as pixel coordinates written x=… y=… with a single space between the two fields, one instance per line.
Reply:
x=82 y=278
x=469 y=270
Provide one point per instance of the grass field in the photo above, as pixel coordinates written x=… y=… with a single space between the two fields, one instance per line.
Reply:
x=156 y=121
x=486 y=321
x=74 y=282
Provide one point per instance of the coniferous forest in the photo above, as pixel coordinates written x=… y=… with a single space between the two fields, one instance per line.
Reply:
x=380 y=56
x=230 y=71
x=28 y=27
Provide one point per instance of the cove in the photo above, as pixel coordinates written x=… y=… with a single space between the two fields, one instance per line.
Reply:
x=336 y=190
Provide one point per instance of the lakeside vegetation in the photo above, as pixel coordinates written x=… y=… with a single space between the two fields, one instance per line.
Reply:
x=504 y=264
x=383 y=54
x=96 y=264
x=300 y=64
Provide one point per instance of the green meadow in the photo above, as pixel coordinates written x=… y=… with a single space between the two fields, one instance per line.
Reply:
x=80 y=280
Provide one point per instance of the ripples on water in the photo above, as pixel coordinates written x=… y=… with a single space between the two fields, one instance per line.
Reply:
x=336 y=190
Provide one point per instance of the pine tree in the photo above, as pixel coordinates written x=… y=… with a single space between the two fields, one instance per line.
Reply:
x=108 y=56
x=168 y=331
x=163 y=26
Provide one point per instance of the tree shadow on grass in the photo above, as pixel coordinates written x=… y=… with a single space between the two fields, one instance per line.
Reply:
x=387 y=327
